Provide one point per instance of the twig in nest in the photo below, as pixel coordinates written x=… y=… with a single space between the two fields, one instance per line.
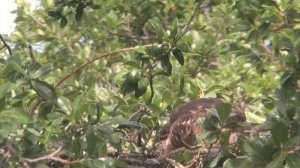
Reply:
x=6 y=45
x=185 y=144
x=174 y=163
x=50 y=156
x=209 y=150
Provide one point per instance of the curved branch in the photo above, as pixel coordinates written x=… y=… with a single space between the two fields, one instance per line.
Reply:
x=89 y=61
x=6 y=45
x=81 y=66
x=51 y=156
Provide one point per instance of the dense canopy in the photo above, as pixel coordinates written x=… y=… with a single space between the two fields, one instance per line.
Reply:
x=90 y=83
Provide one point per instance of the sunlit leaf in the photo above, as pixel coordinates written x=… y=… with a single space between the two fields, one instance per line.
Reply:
x=65 y=105
x=224 y=110
x=42 y=71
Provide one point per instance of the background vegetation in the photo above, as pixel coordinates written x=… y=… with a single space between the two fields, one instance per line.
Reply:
x=85 y=82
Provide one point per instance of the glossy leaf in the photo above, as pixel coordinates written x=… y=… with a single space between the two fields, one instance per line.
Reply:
x=55 y=14
x=65 y=105
x=45 y=90
x=277 y=162
x=63 y=21
x=224 y=110
x=280 y=133
x=79 y=12
x=174 y=30
x=42 y=71
x=178 y=55
x=241 y=162
x=166 y=65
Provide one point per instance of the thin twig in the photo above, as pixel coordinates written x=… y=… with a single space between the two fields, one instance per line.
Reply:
x=174 y=163
x=268 y=52
x=150 y=79
x=6 y=45
x=195 y=12
x=89 y=61
x=50 y=156
x=31 y=53
x=190 y=147
x=209 y=150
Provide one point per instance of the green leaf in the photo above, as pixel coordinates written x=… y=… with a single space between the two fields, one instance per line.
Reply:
x=76 y=146
x=63 y=21
x=224 y=139
x=183 y=47
x=144 y=82
x=156 y=25
x=55 y=14
x=95 y=111
x=142 y=87
x=77 y=107
x=258 y=152
x=64 y=105
x=15 y=66
x=241 y=162
x=216 y=160
x=130 y=83
x=139 y=92
x=44 y=110
x=5 y=89
x=277 y=162
x=214 y=88
x=178 y=55
x=42 y=71
x=224 y=110
x=14 y=114
x=158 y=28
x=45 y=90
x=115 y=141
x=91 y=140
x=293 y=160
x=291 y=142
x=174 y=30
x=280 y=133
x=33 y=131
x=166 y=65
x=187 y=155
x=94 y=6
x=95 y=141
x=79 y=12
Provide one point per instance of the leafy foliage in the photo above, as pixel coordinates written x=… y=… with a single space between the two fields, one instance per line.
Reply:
x=101 y=76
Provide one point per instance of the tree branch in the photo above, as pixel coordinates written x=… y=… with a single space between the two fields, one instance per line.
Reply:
x=6 y=45
x=268 y=52
x=81 y=66
x=31 y=53
x=89 y=61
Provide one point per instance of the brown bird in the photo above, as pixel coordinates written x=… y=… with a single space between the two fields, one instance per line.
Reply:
x=182 y=128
